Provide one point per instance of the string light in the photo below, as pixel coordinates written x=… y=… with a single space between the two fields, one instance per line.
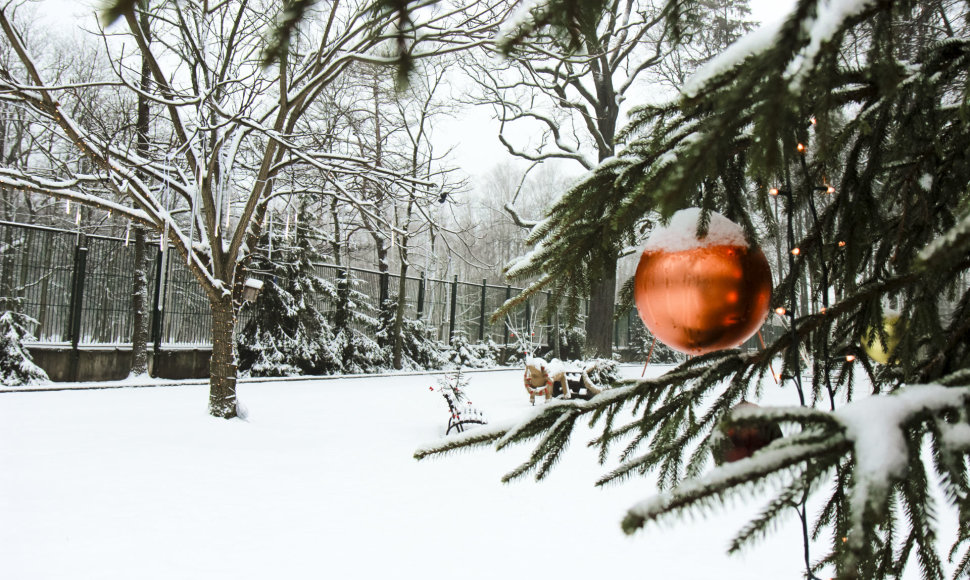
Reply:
x=773 y=191
x=829 y=190
x=796 y=251
x=849 y=357
x=801 y=148
x=824 y=310
x=781 y=311
x=841 y=243
x=813 y=121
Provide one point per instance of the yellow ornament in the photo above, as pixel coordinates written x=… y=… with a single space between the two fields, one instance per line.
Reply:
x=872 y=343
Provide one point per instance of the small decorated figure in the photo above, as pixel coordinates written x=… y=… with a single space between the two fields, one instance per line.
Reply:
x=537 y=380
x=550 y=379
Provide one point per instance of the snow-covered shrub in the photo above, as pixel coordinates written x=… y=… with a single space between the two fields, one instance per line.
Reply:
x=463 y=353
x=641 y=341
x=420 y=350
x=602 y=371
x=287 y=334
x=359 y=353
x=572 y=341
x=16 y=365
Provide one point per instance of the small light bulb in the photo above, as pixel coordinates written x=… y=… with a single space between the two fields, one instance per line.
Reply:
x=773 y=191
x=849 y=357
x=781 y=311
x=824 y=310
x=801 y=148
x=830 y=190
x=841 y=243
x=796 y=251
x=813 y=121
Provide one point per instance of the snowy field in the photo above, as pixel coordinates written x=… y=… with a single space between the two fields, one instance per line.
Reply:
x=318 y=482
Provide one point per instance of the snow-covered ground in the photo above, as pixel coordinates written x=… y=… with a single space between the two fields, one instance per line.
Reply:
x=318 y=482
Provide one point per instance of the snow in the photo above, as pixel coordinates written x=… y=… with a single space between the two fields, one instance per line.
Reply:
x=523 y=19
x=830 y=16
x=681 y=233
x=874 y=425
x=926 y=182
x=121 y=483
x=754 y=42
x=953 y=236
x=829 y=19
x=956 y=436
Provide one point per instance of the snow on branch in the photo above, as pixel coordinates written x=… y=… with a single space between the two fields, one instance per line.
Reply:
x=873 y=429
x=822 y=23
x=877 y=427
x=66 y=189
x=955 y=242
x=749 y=471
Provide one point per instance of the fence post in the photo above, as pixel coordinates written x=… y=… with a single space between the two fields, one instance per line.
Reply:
x=630 y=321
x=616 y=335
x=77 y=300
x=421 y=294
x=383 y=291
x=481 y=318
x=556 y=345
x=454 y=307
x=505 y=326
x=158 y=306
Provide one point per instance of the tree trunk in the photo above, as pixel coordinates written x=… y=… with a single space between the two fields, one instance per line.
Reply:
x=398 y=330
x=139 y=289
x=139 y=307
x=602 y=296
x=222 y=364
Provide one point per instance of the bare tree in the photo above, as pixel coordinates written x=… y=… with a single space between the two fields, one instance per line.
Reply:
x=231 y=130
x=418 y=108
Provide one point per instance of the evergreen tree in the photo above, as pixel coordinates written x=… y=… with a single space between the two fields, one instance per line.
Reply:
x=287 y=333
x=16 y=364
x=851 y=116
x=358 y=352
x=419 y=351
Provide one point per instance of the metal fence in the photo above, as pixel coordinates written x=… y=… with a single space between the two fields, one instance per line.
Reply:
x=77 y=289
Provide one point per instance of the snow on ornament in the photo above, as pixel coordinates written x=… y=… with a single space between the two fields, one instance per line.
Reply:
x=701 y=295
x=873 y=345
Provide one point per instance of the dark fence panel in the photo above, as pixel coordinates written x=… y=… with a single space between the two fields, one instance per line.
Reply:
x=38 y=265
x=185 y=314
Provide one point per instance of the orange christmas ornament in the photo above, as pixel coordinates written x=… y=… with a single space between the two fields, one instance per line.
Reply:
x=701 y=295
